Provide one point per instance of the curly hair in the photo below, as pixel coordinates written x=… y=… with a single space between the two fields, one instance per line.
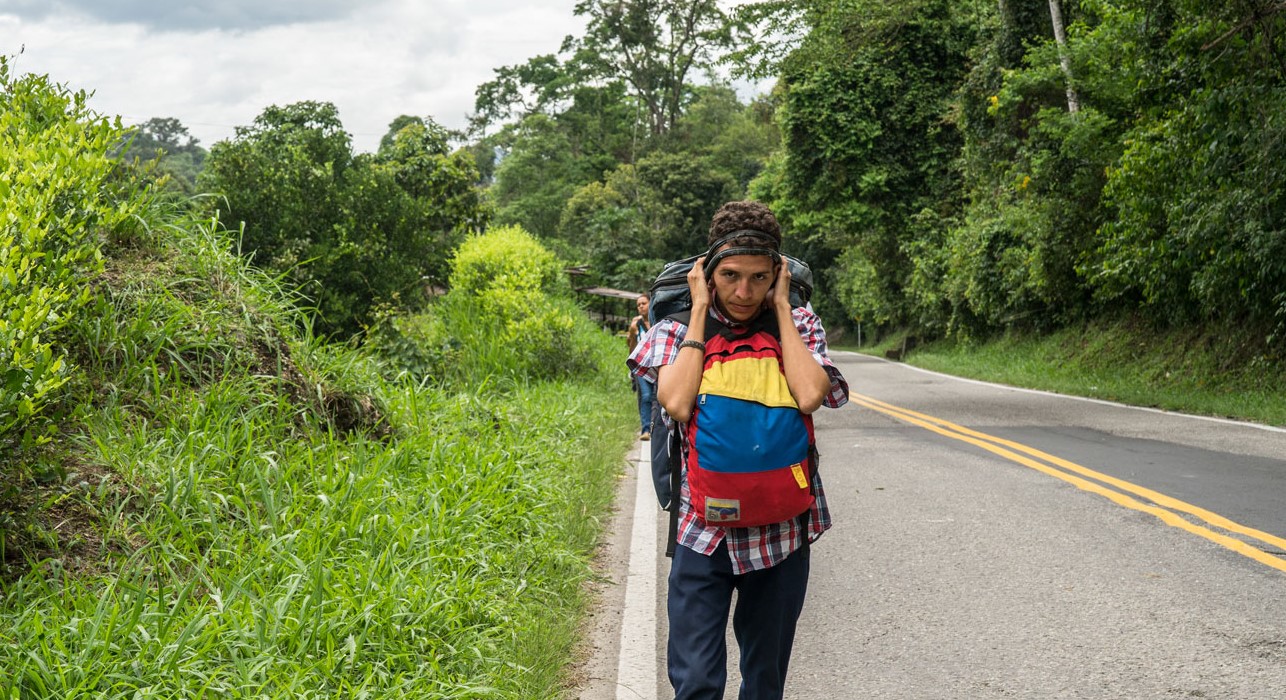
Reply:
x=746 y=215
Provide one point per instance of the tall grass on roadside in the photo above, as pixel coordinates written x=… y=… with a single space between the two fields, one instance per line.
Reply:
x=244 y=534
x=1206 y=371
x=435 y=567
x=457 y=341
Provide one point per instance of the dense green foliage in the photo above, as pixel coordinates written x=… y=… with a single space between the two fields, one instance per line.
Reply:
x=236 y=508
x=537 y=176
x=932 y=151
x=866 y=175
x=1198 y=190
x=352 y=232
x=644 y=215
x=946 y=167
x=55 y=205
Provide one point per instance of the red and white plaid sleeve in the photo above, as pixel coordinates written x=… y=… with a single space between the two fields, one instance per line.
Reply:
x=657 y=348
x=814 y=335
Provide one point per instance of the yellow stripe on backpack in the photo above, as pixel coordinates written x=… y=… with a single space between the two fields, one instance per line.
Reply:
x=756 y=379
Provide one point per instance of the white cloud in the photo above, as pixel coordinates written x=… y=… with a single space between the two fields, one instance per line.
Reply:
x=387 y=59
x=187 y=14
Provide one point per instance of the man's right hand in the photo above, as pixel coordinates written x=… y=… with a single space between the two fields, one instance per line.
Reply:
x=698 y=285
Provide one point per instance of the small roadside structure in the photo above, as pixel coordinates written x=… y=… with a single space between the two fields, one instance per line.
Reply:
x=612 y=307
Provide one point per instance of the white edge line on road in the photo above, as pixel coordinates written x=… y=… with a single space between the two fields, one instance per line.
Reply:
x=636 y=666
x=1105 y=402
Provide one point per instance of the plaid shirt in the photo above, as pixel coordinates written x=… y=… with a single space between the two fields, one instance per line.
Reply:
x=751 y=548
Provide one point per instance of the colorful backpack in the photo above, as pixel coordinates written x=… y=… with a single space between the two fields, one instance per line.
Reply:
x=671 y=298
x=751 y=452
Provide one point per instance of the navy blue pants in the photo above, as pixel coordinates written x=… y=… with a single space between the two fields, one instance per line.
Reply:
x=768 y=605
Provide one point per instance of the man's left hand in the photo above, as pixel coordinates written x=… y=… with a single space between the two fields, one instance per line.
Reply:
x=779 y=296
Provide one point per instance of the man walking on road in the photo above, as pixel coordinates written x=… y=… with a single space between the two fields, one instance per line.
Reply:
x=741 y=374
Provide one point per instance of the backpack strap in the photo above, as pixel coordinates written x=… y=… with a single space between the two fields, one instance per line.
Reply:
x=674 y=453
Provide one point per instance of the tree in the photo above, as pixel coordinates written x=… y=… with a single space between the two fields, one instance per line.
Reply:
x=163 y=149
x=1197 y=194
x=735 y=137
x=1060 y=36
x=865 y=108
x=568 y=134
x=536 y=177
x=653 y=46
x=597 y=119
x=535 y=87
x=352 y=232
x=684 y=191
x=446 y=204
x=645 y=215
x=1032 y=175
x=282 y=176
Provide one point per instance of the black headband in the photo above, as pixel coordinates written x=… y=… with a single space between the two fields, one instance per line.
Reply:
x=713 y=258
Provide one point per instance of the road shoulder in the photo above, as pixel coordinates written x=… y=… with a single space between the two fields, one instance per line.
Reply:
x=593 y=675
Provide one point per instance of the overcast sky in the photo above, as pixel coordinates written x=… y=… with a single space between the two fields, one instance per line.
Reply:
x=216 y=64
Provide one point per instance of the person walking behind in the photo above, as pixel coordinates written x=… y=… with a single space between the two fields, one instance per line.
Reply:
x=645 y=386
x=757 y=343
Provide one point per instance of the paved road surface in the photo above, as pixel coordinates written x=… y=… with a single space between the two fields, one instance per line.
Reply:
x=999 y=543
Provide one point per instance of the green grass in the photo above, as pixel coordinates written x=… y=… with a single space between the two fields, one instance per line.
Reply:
x=235 y=509
x=1207 y=371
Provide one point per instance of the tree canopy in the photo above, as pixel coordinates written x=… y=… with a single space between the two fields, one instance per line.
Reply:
x=946 y=167
x=354 y=232
x=971 y=167
x=163 y=148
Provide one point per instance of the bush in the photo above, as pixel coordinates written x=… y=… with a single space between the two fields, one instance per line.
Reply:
x=506 y=258
x=508 y=318
x=54 y=204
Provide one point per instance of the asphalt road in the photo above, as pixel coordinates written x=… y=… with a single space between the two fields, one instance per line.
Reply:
x=998 y=543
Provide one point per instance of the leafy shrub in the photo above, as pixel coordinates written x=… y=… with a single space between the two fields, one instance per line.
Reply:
x=54 y=204
x=507 y=318
x=421 y=344
x=506 y=258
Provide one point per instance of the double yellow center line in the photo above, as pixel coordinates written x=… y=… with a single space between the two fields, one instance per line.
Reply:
x=1164 y=507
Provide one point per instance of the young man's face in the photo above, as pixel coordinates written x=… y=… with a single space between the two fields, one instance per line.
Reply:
x=741 y=282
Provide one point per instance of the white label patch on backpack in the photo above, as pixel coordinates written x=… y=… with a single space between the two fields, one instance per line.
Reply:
x=722 y=510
